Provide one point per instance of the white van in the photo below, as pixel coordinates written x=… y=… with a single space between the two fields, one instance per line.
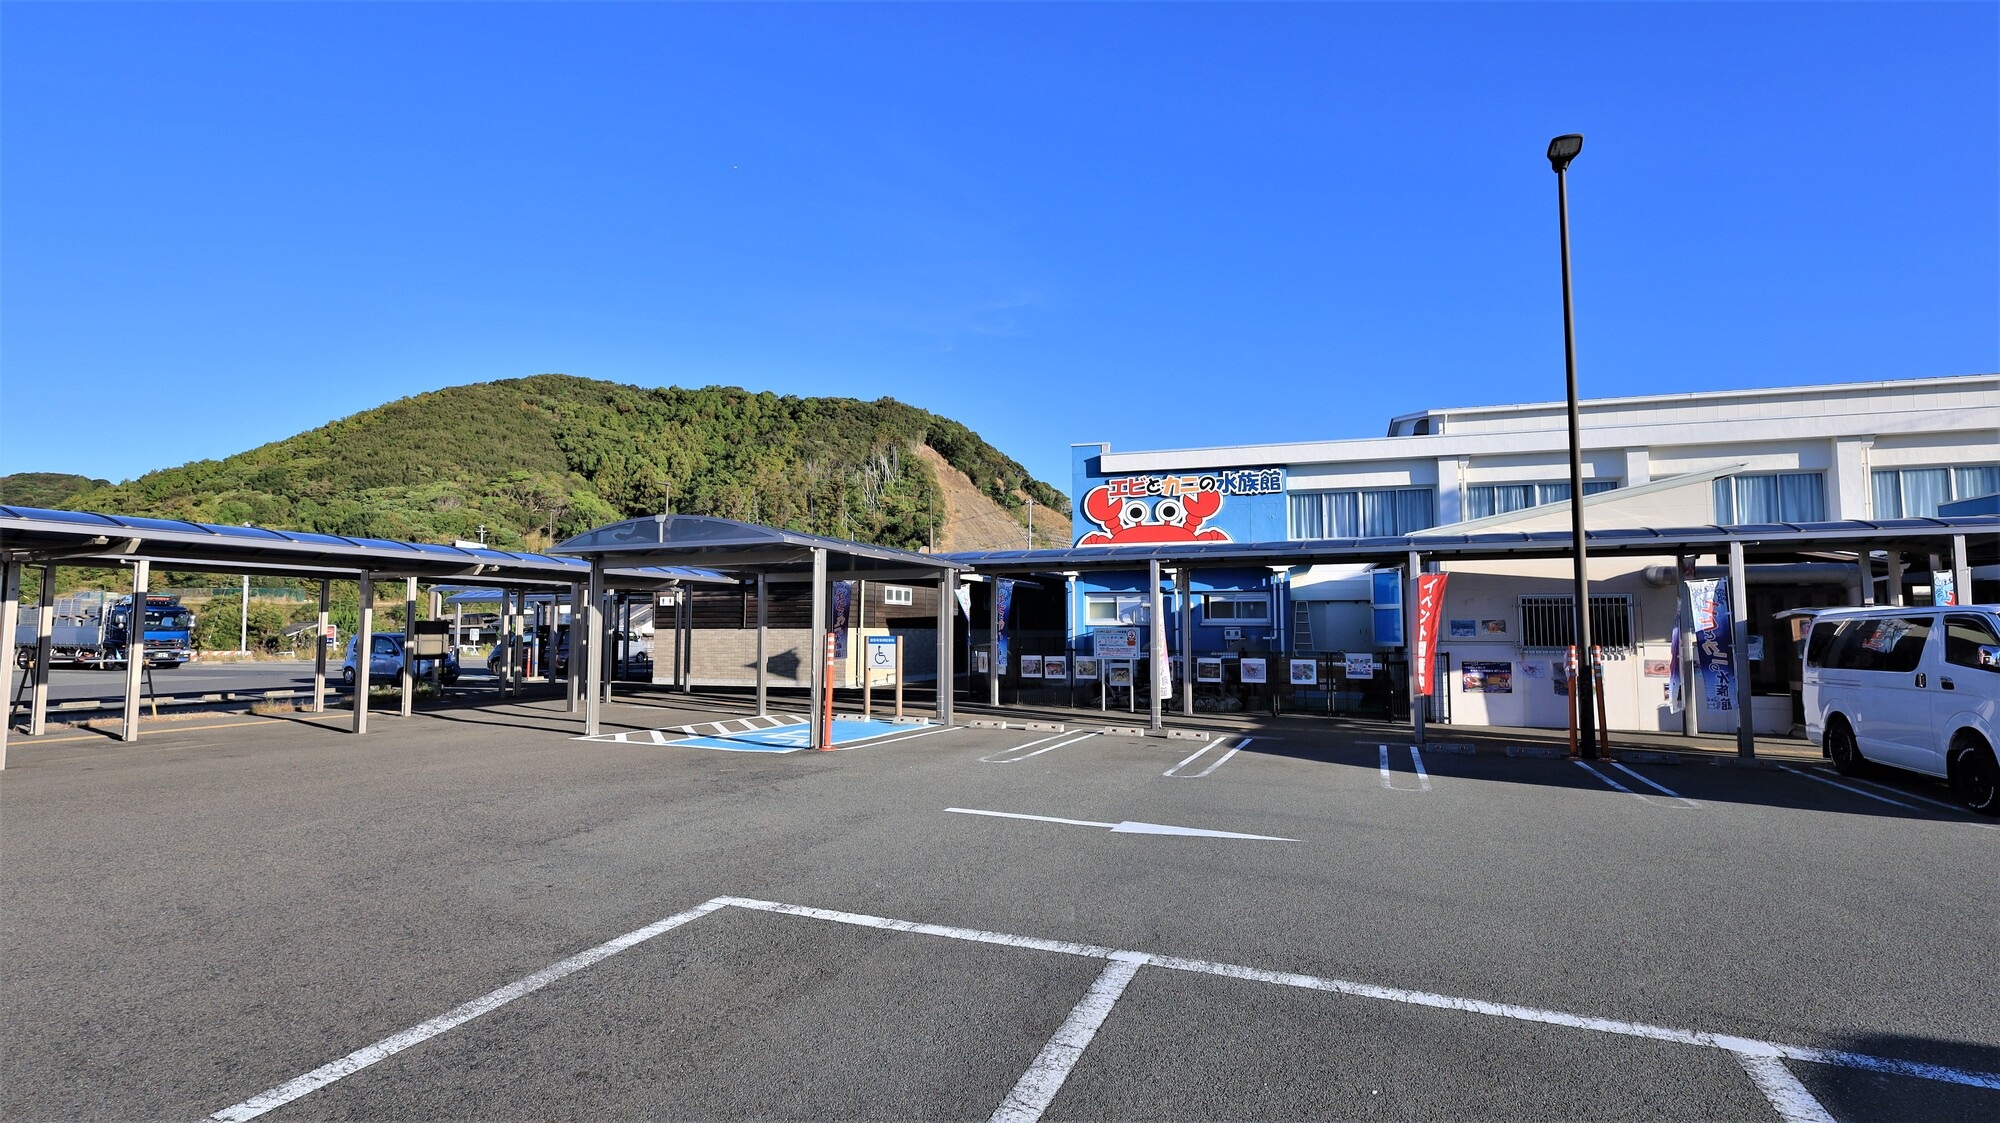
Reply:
x=1914 y=688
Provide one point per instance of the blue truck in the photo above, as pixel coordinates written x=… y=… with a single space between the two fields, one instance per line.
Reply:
x=90 y=630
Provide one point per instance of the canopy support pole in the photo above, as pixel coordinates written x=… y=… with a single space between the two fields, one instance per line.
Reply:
x=10 y=614
x=364 y=652
x=1961 y=570
x=1739 y=655
x=1419 y=697
x=815 y=652
x=946 y=625
x=408 y=675
x=587 y=650
x=319 y=649
x=1184 y=592
x=135 y=643
x=45 y=624
x=569 y=672
x=1156 y=630
x=763 y=625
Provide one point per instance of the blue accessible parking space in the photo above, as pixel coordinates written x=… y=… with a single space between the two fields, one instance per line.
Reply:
x=767 y=734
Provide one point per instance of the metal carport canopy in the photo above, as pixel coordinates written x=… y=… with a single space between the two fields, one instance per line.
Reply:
x=1764 y=540
x=33 y=535
x=762 y=553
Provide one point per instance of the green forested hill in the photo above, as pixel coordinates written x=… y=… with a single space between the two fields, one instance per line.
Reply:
x=529 y=457
x=44 y=489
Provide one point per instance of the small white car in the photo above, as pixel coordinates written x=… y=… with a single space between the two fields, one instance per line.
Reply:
x=1915 y=688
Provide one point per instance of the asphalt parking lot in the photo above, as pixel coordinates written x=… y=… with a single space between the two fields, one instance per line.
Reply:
x=473 y=914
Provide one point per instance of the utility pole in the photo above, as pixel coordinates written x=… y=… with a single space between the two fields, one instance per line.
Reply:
x=1031 y=522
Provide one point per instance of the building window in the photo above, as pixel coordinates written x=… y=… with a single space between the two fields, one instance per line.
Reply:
x=1107 y=610
x=1548 y=623
x=1915 y=493
x=1377 y=513
x=1499 y=499
x=1773 y=497
x=1236 y=608
x=898 y=594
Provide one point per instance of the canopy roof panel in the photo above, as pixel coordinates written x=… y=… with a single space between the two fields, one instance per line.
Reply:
x=739 y=547
x=81 y=537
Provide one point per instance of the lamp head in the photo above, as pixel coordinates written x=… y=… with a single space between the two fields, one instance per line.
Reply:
x=1563 y=149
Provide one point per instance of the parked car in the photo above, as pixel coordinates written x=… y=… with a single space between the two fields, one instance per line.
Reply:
x=1912 y=688
x=496 y=657
x=386 y=662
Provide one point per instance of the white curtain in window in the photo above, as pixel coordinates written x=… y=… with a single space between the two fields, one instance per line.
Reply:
x=1725 y=501
x=1802 y=497
x=1888 y=495
x=1757 y=499
x=1977 y=481
x=1923 y=490
x=1413 y=511
x=1378 y=514
x=1325 y=514
x=1478 y=502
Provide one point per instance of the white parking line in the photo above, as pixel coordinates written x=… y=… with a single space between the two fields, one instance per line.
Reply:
x=1224 y=758
x=1656 y=787
x=423 y=1031
x=1957 y=808
x=1760 y=1059
x=1608 y=780
x=1423 y=777
x=995 y=757
x=1038 y=1086
x=1385 y=768
x=1788 y=1097
x=1192 y=757
x=1045 y=748
x=1845 y=787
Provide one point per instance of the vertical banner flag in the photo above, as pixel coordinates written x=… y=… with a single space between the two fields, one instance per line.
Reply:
x=1711 y=621
x=842 y=608
x=1005 y=591
x=1674 y=699
x=963 y=594
x=1430 y=606
x=1163 y=669
x=1944 y=587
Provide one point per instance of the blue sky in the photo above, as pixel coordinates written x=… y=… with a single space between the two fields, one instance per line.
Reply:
x=1158 y=226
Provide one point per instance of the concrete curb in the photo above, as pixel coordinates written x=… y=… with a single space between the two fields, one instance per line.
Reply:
x=1188 y=735
x=1045 y=726
x=1122 y=731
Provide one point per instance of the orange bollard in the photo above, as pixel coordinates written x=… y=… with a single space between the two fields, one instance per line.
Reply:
x=826 y=699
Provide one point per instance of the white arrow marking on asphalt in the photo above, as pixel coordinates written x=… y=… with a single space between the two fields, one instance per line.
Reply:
x=1127 y=827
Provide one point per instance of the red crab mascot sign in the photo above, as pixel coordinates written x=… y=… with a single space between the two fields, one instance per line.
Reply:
x=1125 y=518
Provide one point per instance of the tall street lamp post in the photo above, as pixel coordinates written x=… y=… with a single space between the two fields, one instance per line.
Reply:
x=1562 y=150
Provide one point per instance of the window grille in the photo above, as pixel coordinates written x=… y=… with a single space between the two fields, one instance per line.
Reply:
x=1548 y=623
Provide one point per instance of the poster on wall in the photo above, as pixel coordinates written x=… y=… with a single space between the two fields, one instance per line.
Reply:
x=980 y=663
x=1251 y=670
x=1208 y=670
x=1305 y=672
x=1119 y=674
x=1464 y=629
x=1116 y=643
x=1532 y=670
x=1055 y=666
x=1484 y=677
x=1031 y=666
x=1493 y=627
x=1087 y=668
x=1657 y=668
x=1944 y=587
x=1359 y=665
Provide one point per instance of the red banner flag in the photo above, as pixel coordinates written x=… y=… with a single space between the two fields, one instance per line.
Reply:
x=1430 y=605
